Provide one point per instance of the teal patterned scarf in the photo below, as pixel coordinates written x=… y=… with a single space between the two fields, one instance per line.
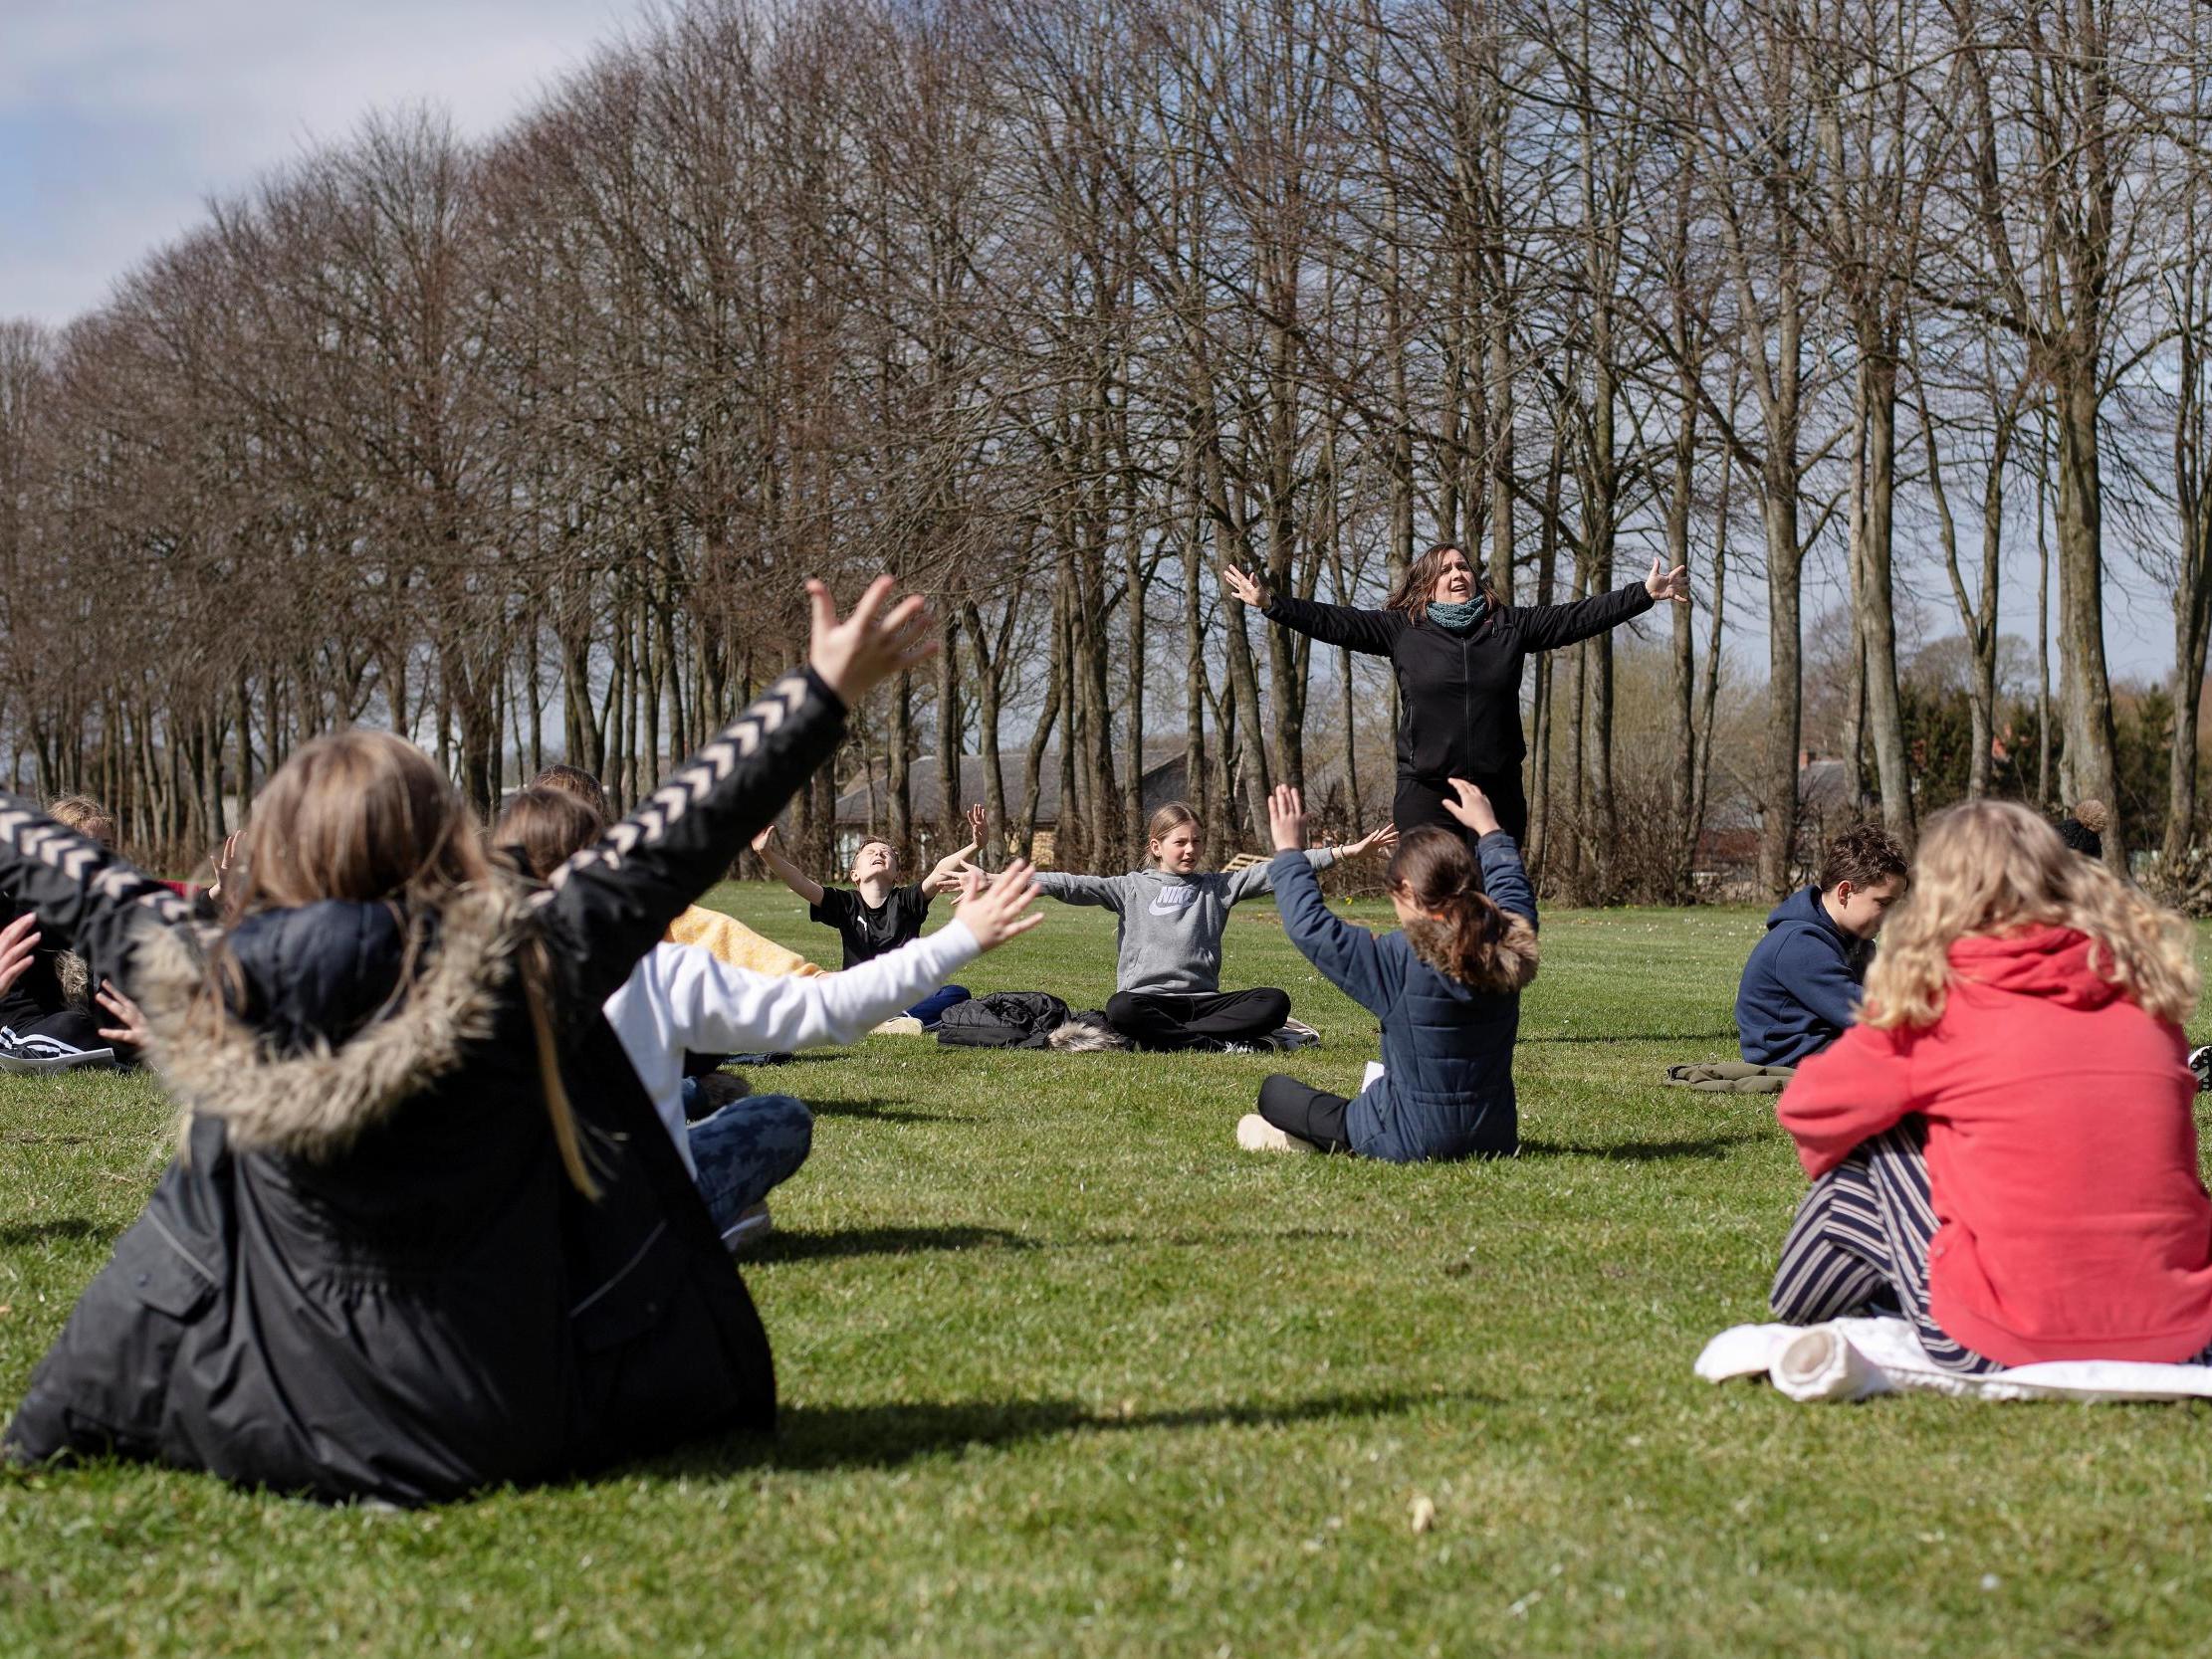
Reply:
x=1459 y=619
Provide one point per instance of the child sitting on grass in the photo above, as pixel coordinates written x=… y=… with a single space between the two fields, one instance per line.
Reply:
x=425 y=1233
x=2003 y=1148
x=1168 y=921
x=1800 y=988
x=875 y=915
x=49 y=1010
x=680 y=998
x=1447 y=990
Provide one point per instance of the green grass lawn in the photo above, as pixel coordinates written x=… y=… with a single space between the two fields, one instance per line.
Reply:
x=1066 y=1372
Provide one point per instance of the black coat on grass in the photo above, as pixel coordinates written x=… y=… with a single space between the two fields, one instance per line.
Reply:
x=367 y=1274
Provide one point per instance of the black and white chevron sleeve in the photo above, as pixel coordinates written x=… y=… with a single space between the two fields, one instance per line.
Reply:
x=88 y=898
x=611 y=903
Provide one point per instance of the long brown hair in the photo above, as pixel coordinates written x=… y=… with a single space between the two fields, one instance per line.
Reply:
x=1463 y=936
x=365 y=816
x=1989 y=867
x=1414 y=590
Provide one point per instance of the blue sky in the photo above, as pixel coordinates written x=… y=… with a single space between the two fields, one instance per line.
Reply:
x=119 y=118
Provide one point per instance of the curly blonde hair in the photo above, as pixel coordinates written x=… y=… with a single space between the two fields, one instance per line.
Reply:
x=1989 y=867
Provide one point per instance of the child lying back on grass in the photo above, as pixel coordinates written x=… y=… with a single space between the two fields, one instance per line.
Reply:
x=1447 y=990
x=2004 y=1145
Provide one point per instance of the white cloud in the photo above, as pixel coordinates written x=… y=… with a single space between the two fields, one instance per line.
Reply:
x=118 y=117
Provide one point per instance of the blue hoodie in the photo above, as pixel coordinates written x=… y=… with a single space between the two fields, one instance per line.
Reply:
x=1800 y=989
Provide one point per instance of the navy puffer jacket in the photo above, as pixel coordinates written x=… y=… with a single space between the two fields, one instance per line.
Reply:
x=1447 y=1088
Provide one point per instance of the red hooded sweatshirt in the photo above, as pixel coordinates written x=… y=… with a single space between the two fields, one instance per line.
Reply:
x=2062 y=1154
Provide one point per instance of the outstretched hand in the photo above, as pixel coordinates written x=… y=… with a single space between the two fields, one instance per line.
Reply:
x=946 y=874
x=997 y=908
x=979 y=822
x=19 y=940
x=1663 y=584
x=1471 y=808
x=130 y=1020
x=1381 y=840
x=855 y=655
x=1286 y=819
x=1242 y=588
x=761 y=841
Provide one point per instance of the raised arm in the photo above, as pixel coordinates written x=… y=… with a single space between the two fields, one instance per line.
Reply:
x=718 y=1008
x=1258 y=877
x=1371 y=632
x=611 y=903
x=1071 y=889
x=1503 y=877
x=86 y=898
x=797 y=879
x=1349 y=957
x=1549 y=627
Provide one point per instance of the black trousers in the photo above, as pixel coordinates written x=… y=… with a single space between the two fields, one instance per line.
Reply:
x=1419 y=801
x=1164 y=1020
x=1308 y=1112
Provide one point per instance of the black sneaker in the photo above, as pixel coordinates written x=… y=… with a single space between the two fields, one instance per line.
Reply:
x=2200 y=1062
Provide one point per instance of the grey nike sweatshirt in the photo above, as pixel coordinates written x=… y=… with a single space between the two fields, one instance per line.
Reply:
x=1169 y=935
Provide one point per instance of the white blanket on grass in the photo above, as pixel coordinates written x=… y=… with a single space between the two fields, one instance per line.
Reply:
x=1857 y=1359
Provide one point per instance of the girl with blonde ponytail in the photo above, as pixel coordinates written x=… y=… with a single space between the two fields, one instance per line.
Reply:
x=1447 y=990
x=2005 y=1145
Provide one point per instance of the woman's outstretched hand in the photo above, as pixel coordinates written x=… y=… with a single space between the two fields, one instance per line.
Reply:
x=1471 y=808
x=19 y=939
x=1663 y=584
x=1286 y=819
x=1381 y=840
x=1242 y=588
x=997 y=908
x=855 y=655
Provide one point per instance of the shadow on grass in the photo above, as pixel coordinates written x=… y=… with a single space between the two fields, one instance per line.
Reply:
x=1728 y=1036
x=879 y=1111
x=881 y=1241
x=1646 y=1152
x=15 y=1233
x=827 y=1437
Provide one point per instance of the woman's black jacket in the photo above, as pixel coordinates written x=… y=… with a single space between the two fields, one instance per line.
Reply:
x=367 y=1274
x=1460 y=693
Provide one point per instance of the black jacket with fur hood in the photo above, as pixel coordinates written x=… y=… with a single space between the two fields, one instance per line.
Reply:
x=367 y=1274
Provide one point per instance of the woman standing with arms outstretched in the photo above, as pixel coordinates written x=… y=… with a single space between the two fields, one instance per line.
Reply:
x=1458 y=647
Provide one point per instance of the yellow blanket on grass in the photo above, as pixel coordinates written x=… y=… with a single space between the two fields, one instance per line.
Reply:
x=734 y=943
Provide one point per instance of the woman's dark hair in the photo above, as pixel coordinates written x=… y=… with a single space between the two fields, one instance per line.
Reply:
x=1463 y=936
x=1414 y=590
x=545 y=826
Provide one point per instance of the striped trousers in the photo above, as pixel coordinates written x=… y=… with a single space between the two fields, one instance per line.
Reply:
x=1860 y=1239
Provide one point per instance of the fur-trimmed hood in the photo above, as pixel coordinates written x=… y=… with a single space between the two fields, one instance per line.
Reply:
x=324 y=1042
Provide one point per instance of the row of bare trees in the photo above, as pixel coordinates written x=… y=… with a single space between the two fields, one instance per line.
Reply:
x=1051 y=309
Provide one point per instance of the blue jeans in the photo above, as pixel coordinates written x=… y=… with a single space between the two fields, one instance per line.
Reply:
x=746 y=1147
x=932 y=1007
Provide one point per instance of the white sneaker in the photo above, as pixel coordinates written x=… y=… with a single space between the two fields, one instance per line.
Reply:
x=751 y=1226
x=1294 y=1034
x=1256 y=1135
x=898 y=1025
